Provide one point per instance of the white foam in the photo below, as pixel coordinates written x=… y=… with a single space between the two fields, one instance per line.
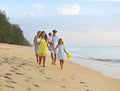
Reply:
x=106 y=68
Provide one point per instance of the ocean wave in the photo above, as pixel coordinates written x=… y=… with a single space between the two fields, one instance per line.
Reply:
x=110 y=60
x=97 y=59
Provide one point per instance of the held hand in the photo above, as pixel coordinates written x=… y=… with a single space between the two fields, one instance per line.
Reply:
x=67 y=53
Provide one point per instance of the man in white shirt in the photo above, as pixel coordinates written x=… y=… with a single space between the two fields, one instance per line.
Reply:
x=55 y=42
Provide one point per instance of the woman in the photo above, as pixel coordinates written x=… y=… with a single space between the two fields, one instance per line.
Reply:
x=36 y=44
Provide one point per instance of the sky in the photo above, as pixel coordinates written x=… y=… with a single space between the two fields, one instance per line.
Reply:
x=78 y=22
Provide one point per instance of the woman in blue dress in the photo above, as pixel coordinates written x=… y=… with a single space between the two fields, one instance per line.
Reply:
x=61 y=52
x=36 y=44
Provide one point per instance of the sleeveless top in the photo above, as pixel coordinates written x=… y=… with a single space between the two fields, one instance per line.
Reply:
x=42 y=49
x=61 y=53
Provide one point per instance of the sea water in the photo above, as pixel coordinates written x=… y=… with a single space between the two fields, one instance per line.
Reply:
x=104 y=59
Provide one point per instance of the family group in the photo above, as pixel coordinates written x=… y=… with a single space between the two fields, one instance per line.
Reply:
x=44 y=42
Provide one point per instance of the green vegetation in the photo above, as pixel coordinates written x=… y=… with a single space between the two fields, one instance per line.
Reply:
x=11 y=33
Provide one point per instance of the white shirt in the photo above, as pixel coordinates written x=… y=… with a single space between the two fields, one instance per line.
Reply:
x=55 y=41
x=50 y=39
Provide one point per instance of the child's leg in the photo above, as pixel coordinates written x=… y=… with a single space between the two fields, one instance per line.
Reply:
x=44 y=58
x=61 y=64
x=40 y=59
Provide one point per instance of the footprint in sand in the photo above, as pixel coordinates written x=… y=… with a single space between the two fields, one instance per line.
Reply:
x=8 y=74
x=7 y=77
x=12 y=82
x=27 y=80
x=29 y=77
x=29 y=89
x=6 y=61
x=63 y=86
x=72 y=77
x=23 y=64
x=9 y=86
x=36 y=85
x=85 y=85
x=63 y=79
x=15 y=68
x=47 y=77
x=0 y=75
x=19 y=73
x=12 y=70
x=87 y=90
x=82 y=82
x=42 y=72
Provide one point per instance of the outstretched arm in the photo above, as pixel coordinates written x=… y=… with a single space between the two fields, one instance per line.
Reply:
x=55 y=47
x=65 y=50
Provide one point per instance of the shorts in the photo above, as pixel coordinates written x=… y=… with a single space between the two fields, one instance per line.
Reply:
x=50 y=49
x=55 y=51
x=36 y=48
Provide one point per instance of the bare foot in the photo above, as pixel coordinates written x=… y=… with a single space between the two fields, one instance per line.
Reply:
x=44 y=66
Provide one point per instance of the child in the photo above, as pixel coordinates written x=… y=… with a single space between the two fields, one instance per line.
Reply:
x=43 y=48
x=50 y=45
x=36 y=45
x=61 y=52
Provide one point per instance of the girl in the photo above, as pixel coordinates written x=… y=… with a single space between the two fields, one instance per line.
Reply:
x=43 y=48
x=61 y=52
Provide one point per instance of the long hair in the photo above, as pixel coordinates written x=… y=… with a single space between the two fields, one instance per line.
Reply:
x=45 y=35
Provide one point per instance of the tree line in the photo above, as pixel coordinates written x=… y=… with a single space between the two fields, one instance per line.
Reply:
x=11 y=33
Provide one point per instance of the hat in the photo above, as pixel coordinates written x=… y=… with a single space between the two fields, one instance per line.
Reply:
x=54 y=31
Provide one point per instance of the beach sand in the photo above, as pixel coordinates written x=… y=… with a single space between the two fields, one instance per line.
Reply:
x=19 y=71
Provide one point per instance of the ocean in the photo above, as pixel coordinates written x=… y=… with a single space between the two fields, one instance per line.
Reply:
x=104 y=59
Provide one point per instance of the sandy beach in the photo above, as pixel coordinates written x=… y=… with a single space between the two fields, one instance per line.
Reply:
x=20 y=72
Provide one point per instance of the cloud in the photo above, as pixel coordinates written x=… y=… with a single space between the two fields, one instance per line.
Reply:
x=30 y=13
x=35 y=10
x=38 y=6
x=69 y=9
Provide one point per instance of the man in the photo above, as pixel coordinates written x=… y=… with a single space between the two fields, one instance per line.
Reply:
x=54 y=42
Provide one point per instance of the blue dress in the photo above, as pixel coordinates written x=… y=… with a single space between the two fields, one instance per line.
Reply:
x=36 y=47
x=61 y=53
